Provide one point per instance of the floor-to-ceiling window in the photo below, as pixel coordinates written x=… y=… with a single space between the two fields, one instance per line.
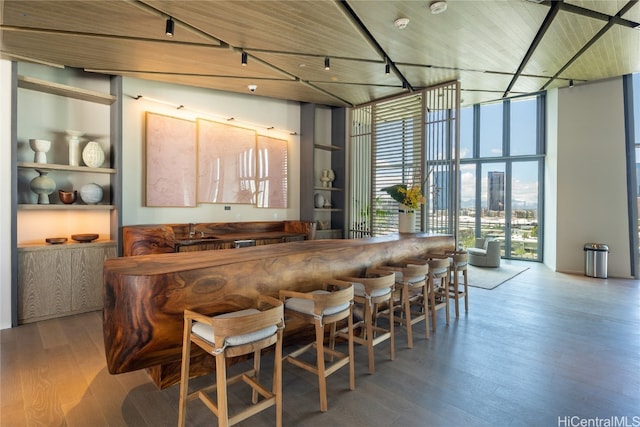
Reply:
x=501 y=161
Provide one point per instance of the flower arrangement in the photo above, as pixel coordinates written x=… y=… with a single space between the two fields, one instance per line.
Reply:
x=411 y=197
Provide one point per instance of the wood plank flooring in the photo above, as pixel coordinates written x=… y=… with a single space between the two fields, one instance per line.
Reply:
x=535 y=351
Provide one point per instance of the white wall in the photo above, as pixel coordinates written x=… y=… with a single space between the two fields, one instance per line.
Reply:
x=283 y=115
x=591 y=188
x=5 y=194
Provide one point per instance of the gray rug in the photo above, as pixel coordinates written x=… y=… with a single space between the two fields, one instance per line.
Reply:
x=490 y=278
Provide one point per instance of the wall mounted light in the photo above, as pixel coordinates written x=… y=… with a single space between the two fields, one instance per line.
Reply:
x=327 y=63
x=169 y=27
x=244 y=59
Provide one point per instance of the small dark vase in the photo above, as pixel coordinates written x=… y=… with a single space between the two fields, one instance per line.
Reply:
x=67 y=197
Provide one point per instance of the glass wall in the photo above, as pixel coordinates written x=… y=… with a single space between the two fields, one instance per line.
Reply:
x=501 y=170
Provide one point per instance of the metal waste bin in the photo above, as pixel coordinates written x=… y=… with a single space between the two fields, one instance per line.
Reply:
x=596 y=258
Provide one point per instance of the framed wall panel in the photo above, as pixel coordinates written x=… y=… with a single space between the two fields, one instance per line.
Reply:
x=226 y=163
x=272 y=172
x=170 y=161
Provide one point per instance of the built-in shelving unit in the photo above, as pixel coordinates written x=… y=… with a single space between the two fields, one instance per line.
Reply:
x=322 y=143
x=44 y=108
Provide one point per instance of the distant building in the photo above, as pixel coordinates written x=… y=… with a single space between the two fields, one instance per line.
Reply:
x=495 y=191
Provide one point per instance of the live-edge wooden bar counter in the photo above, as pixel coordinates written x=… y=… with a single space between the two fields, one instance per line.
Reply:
x=145 y=296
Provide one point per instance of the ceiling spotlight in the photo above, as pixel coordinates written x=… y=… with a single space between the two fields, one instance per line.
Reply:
x=244 y=59
x=169 y=27
x=401 y=23
x=387 y=69
x=437 y=7
x=327 y=63
x=571 y=83
x=252 y=88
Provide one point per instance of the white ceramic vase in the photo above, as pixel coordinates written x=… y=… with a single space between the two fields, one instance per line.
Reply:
x=406 y=219
x=43 y=186
x=91 y=194
x=93 y=155
x=40 y=147
x=318 y=200
x=73 y=138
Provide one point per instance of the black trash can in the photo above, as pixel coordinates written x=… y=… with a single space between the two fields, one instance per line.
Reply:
x=596 y=259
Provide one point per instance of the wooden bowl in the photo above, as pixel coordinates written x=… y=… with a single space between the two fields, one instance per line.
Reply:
x=67 y=197
x=55 y=240
x=84 y=238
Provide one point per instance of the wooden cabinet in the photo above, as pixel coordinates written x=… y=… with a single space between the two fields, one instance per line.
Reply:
x=59 y=280
x=322 y=146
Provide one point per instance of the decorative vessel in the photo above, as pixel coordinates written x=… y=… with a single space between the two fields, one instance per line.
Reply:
x=318 y=200
x=93 y=155
x=406 y=219
x=41 y=147
x=42 y=185
x=67 y=197
x=55 y=240
x=84 y=238
x=91 y=193
x=73 y=137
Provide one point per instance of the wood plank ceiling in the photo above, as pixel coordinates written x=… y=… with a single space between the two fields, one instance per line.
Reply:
x=496 y=48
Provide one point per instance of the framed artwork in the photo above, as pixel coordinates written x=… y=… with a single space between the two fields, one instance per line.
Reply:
x=170 y=161
x=272 y=172
x=226 y=163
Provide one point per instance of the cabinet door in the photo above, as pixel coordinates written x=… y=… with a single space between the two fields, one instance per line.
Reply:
x=86 y=276
x=44 y=278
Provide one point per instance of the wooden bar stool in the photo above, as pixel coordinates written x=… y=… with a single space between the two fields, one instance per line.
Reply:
x=375 y=288
x=321 y=307
x=438 y=288
x=459 y=262
x=229 y=335
x=411 y=280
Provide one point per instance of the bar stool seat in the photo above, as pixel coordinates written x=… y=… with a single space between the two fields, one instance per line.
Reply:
x=229 y=335
x=321 y=307
x=370 y=291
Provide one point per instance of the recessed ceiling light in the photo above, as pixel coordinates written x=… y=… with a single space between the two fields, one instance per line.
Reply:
x=437 y=7
x=401 y=23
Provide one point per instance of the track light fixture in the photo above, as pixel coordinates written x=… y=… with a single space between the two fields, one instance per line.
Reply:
x=571 y=83
x=244 y=59
x=387 y=68
x=169 y=27
x=327 y=63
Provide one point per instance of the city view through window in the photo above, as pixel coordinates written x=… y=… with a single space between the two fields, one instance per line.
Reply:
x=501 y=160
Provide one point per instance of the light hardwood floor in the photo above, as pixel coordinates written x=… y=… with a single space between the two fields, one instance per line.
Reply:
x=535 y=351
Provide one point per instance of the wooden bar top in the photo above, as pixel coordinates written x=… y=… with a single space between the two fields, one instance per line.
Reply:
x=145 y=296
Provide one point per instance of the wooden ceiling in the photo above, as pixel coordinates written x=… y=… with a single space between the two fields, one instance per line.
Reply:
x=496 y=48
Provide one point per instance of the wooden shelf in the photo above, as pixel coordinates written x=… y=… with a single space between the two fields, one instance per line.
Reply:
x=32 y=83
x=63 y=207
x=327 y=147
x=65 y=168
x=327 y=188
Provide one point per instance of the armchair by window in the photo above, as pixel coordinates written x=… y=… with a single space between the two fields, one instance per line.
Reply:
x=486 y=253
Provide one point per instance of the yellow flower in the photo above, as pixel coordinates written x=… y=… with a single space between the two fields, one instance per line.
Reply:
x=411 y=197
